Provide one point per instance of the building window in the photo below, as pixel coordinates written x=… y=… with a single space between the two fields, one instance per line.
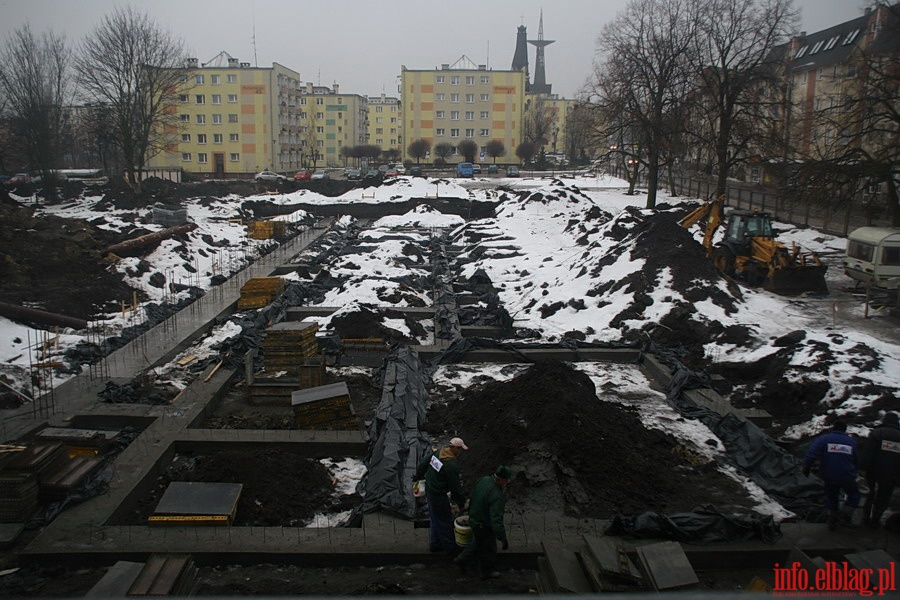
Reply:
x=454 y=133
x=234 y=137
x=217 y=138
x=755 y=174
x=185 y=118
x=185 y=157
x=182 y=79
x=439 y=79
x=232 y=98
x=485 y=114
x=232 y=78
x=439 y=132
x=454 y=97
x=320 y=129
x=484 y=132
x=201 y=157
x=454 y=80
x=320 y=101
x=186 y=137
x=470 y=133
x=485 y=79
x=470 y=98
x=470 y=80
x=851 y=70
x=232 y=118
x=438 y=114
x=470 y=115
x=183 y=98
x=201 y=119
x=234 y=157
x=320 y=115
x=485 y=97
x=215 y=79
x=379 y=131
x=217 y=119
x=378 y=108
x=201 y=138
x=454 y=115
x=439 y=97
x=217 y=98
x=198 y=79
x=200 y=99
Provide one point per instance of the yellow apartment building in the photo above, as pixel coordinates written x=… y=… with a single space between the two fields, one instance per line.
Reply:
x=385 y=123
x=463 y=101
x=234 y=120
x=330 y=121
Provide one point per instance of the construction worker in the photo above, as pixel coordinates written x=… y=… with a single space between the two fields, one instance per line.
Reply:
x=881 y=462
x=441 y=472
x=486 y=508
x=839 y=461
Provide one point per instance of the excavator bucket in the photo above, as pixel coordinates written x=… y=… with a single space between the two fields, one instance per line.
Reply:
x=797 y=280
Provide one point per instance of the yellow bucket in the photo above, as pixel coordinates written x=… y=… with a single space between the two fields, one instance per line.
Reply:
x=461 y=531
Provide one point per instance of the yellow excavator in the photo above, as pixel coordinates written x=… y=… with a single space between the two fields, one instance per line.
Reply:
x=750 y=252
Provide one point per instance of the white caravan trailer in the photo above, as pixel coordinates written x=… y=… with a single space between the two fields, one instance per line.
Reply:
x=873 y=256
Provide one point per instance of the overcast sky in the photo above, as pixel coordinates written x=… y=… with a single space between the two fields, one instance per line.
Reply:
x=361 y=45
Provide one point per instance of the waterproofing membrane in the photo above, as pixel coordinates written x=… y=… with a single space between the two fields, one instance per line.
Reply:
x=704 y=525
x=396 y=445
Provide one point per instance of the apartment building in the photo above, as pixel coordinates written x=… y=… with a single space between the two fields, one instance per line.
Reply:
x=331 y=121
x=462 y=101
x=234 y=120
x=828 y=86
x=386 y=123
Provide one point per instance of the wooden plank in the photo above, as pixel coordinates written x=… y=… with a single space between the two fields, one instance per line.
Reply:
x=667 y=565
x=117 y=580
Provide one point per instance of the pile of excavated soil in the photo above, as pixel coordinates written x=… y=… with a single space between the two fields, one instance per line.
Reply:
x=549 y=425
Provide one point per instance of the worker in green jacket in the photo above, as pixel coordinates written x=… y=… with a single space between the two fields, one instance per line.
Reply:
x=486 y=507
x=441 y=472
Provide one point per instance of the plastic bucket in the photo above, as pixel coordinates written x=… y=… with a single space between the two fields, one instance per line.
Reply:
x=462 y=533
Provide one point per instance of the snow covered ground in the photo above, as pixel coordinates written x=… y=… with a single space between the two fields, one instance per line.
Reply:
x=564 y=254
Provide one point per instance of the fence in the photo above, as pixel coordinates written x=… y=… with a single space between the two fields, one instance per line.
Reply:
x=748 y=196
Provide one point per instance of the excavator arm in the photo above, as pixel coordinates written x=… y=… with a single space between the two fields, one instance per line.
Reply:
x=712 y=211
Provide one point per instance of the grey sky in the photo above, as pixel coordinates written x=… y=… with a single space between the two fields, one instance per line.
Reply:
x=361 y=45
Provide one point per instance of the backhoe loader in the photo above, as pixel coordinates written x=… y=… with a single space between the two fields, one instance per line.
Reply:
x=750 y=252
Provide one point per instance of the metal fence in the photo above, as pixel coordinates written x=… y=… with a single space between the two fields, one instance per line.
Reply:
x=836 y=221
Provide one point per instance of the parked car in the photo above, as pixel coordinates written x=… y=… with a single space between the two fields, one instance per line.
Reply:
x=302 y=176
x=320 y=174
x=391 y=172
x=354 y=174
x=400 y=168
x=373 y=174
x=270 y=177
x=19 y=179
x=383 y=168
x=492 y=169
x=464 y=169
x=416 y=171
x=512 y=171
x=476 y=169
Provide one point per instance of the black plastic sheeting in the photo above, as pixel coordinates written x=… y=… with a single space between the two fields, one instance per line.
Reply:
x=457 y=350
x=703 y=525
x=396 y=444
x=748 y=449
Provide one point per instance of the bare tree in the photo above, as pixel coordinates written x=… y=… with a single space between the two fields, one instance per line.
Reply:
x=34 y=74
x=418 y=149
x=734 y=42
x=133 y=66
x=539 y=121
x=442 y=150
x=644 y=76
x=495 y=149
x=468 y=149
x=526 y=151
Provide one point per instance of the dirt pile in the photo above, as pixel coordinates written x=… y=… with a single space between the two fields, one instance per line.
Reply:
x=279 y=488
x=549 y=425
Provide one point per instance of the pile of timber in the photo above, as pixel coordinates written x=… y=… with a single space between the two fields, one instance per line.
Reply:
x=324 y=407
x=265 y=230
x=291 y=361
x=259 y=292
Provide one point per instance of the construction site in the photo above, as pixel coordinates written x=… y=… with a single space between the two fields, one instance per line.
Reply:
x=279 y=364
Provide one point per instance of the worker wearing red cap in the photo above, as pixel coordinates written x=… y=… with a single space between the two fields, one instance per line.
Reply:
x=441 y=472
